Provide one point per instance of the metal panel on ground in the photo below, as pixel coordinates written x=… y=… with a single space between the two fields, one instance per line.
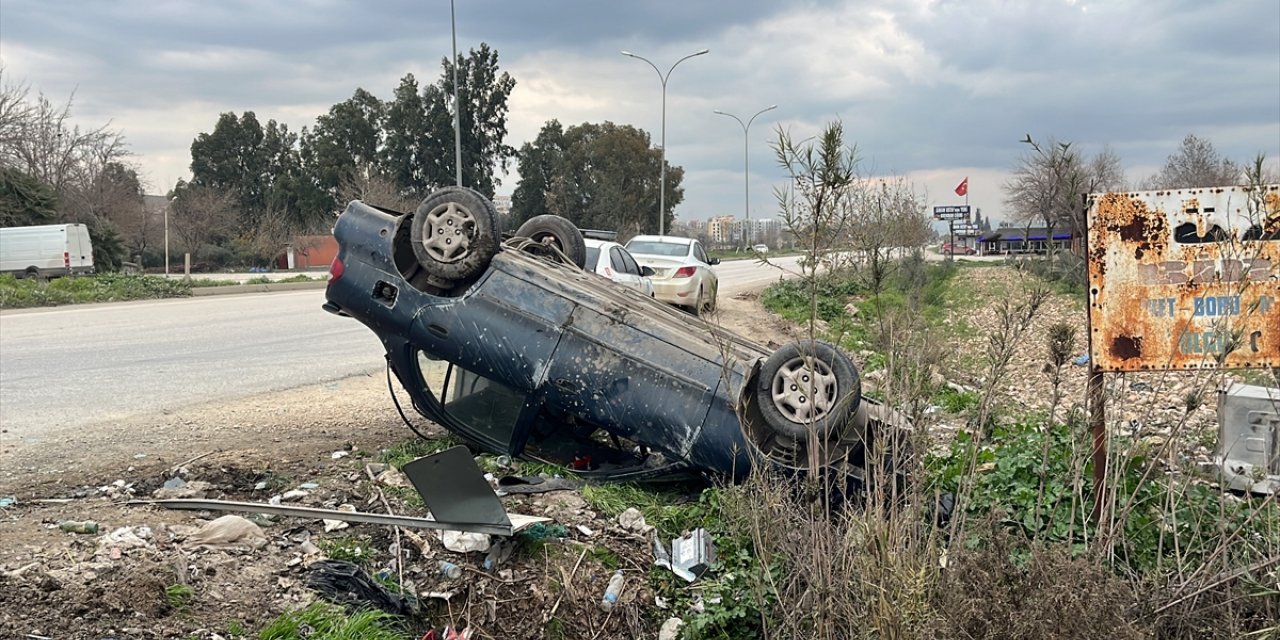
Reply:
x=1184 y=279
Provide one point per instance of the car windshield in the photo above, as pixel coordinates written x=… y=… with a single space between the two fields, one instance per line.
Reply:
x=593 y=256
x=653 y=248
x=484 y=406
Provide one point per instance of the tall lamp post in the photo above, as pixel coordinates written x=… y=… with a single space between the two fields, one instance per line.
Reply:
x=746 y=162
x=457 y=106
x=662 y=172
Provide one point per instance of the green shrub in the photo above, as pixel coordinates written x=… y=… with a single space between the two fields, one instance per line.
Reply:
x=324 y=621
x=1025 y=472
x=105 y=287
x=1039 y=477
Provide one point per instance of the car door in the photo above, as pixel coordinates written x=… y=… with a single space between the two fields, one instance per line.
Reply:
x=625 y=272
x=645 y=284
x=708 y=274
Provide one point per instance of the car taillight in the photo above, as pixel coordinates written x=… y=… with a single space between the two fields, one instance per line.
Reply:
x=335 y=269
x=685 y=272
x=66 y=259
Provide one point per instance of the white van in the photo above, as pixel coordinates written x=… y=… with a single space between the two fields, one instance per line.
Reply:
x=46 y=251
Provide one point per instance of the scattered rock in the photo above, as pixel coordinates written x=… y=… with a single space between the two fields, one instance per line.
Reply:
x=182 y=490
x=392 y=477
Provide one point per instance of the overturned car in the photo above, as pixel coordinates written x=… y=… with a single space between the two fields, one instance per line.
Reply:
x=512 y=346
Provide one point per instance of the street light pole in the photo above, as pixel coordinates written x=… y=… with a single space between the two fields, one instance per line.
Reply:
x=662 y=171
x=746 y=162
x=457 y=106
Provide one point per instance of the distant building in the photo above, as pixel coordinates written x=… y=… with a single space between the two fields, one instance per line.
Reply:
x=757 y=230
x=720 y=230
x=308 y=252
x=503 y=205
x=1024 y=240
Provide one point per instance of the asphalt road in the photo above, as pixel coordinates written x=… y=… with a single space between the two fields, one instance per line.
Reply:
x=66 y=367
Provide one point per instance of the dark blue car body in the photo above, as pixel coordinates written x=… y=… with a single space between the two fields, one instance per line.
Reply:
x=549 y=362
x=515 y=348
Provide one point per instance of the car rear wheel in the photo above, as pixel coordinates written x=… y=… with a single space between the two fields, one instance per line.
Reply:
x=553 y=231
x=455 y=233
x=807 y=394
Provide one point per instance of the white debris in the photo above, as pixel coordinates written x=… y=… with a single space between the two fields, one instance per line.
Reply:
x=338 y=525
x=670 y=629
x=633 y=520
x=124 y=539
x=463 y=542
x=229 y=531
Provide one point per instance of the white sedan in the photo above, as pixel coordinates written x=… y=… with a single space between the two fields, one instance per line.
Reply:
x=682 y=272
x=612 y=261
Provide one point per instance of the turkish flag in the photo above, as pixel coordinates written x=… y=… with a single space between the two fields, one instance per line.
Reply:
x=963 y=187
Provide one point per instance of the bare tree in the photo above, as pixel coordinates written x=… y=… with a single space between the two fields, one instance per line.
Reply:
x=1049 y=180
x=377 y=191
x=15 y=113
x=198 y=215
x=1046 y=184
x=1196 y=164
x=1103 y=172
x=889 y=215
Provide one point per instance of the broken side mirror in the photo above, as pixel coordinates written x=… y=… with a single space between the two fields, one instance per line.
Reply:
x=713 y=261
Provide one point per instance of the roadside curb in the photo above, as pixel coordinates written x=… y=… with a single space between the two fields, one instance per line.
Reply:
x=257 y=288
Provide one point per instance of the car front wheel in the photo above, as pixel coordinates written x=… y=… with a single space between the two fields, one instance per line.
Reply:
x=807 y=394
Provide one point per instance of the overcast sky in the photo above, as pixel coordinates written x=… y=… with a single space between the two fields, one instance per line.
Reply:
x=936 y=90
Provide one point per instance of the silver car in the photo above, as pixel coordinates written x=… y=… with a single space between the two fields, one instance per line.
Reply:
x=682 y=272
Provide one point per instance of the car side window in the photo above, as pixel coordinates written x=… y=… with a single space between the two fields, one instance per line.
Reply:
x=630 y=263
x=485 y=406
x=699 y=253
x=593 y=256
x=615 y=259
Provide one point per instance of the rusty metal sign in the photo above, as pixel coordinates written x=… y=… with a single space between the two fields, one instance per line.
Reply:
x=1184 y=279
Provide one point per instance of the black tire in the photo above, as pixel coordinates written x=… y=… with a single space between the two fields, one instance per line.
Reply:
x=710 y=306
x=559 y=232
x=829 y=403
x=455 y=233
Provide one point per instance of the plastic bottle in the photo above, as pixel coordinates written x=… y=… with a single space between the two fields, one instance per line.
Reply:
x=450 y=570
x=612 y=592
x=76 y=526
